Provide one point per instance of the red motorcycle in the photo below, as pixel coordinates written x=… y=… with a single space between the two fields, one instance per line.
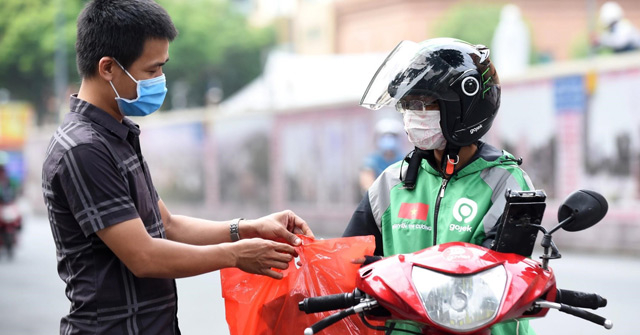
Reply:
x=461 y=288
x=10 y=224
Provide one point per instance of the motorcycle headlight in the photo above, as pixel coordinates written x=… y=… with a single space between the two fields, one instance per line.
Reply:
x=461 y=303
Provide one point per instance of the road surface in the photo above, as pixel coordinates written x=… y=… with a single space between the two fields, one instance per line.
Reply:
x=32 y=295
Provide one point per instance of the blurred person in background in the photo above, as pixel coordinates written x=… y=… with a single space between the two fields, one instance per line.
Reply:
x=119 y=248
x=10 y=215
x=616 y=32
x=452 y=186
x=9 y=188
x=388 y=132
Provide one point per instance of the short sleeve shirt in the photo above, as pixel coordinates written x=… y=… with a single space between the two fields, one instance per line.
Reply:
x=94 y=176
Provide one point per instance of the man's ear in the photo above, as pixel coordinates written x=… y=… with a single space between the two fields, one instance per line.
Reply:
x=106 y=67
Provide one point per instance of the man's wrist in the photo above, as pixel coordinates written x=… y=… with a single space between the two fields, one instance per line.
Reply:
x=234 y=229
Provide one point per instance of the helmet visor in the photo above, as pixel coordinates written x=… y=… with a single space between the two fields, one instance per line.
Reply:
x=411 y=68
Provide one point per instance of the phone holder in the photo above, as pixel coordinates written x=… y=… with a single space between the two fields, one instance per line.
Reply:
x=516 y=231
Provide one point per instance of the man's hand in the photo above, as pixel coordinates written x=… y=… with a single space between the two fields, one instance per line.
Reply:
x=260 y=256
x=366 y=260
x=281 y=226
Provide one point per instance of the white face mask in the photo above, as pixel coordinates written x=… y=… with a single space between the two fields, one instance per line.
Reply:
x=423 y=129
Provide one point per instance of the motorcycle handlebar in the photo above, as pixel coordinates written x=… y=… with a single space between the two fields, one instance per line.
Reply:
x=580 y=299
x=328 y=321
x=328 y=302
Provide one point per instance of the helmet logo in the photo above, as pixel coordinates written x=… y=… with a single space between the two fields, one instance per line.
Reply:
x=470 y=86
x=473 y=130
x=484 y=82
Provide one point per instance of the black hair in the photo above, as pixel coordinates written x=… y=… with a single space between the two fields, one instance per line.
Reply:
x=119 y=29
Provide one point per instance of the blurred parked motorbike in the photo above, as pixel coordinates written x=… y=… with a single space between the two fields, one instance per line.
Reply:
x=10 y=224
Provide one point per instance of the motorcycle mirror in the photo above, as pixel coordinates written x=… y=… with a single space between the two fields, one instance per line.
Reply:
x=585 y=207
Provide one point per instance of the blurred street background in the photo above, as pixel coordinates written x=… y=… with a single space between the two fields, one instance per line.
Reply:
x=262 y=111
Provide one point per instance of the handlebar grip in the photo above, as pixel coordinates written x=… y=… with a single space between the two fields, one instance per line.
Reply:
x=327 y=303
x=597 y=319
x=580 y=299
x=328 y=321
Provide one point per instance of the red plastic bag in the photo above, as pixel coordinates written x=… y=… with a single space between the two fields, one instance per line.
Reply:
x=259 y=305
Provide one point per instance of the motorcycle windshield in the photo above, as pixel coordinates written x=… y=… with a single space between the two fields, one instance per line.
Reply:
x=410 y=67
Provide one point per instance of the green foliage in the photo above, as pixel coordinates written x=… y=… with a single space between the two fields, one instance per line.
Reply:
x=581 y=47
x=470 y=21
x=28 y=41
x=215 y=45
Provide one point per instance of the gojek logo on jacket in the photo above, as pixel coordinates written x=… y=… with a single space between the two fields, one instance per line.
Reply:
x=464 y=211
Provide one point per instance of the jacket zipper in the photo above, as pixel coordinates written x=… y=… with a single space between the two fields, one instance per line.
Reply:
x=435 y=214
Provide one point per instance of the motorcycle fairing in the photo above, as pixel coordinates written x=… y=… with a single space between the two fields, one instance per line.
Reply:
x=389 y=280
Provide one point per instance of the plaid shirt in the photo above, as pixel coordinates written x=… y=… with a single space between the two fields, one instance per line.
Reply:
x=93 y=177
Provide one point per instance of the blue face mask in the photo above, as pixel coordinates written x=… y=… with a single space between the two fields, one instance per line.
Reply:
x=388 y=142
x=151 y=93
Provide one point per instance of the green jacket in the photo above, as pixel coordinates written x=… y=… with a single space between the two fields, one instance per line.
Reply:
x=464 y=208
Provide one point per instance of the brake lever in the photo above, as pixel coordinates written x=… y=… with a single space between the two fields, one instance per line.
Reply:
x=597 y=319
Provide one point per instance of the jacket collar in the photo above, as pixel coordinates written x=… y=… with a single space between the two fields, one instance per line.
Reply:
x=486 y=156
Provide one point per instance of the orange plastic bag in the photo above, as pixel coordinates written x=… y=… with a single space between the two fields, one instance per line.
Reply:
x=259 y=305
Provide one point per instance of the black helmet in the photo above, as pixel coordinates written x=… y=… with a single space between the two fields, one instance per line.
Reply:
x=458 y=74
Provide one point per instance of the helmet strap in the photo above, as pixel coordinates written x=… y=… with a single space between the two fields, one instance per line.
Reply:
x=415 y=161
x=448 y=164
